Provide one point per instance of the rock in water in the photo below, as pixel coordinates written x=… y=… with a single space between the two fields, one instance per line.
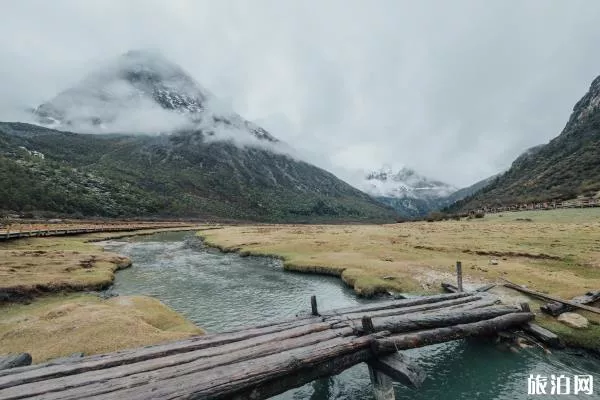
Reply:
x=15 y=360
x=574 y=320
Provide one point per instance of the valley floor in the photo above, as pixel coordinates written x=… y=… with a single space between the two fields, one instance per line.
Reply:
x=555 y=252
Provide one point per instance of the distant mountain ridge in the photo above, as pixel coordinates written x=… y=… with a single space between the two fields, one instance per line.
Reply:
x=566 y=167
x=163 y=146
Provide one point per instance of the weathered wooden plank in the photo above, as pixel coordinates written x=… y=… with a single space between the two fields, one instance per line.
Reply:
x=414 y=322
x=484 y=301
x=92 y=382
x=276 y=386
x=410 y=309
x=468 y=303
x=520 y=288
x=161 y=350
x=398 y=367
x=61 y=370
x=15 y=360
x=543 y=335
x=439 y=335
x=450 y=288
x=556 y=308
x=382 y=305
x=221 y=381
x=485 y=288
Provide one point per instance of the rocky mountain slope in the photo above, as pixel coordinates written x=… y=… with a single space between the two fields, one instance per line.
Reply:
x=567 y=167
x=408 y=192
x=470 y=190
x=162 y=146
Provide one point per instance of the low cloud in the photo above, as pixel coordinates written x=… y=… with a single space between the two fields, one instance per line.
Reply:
x=455 y=90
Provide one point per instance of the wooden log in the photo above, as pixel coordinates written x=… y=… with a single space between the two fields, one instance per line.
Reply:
x=450 y=288
x=383 y=305
x=485 y=288
x=414 y=322
x=15 y=360
x=483 y=301
x=544 y=335
x=450 y=306
x=382 y=385
x=227 y=380
x=459 y=277
x=166 y=367
x=556 y=308
x=520 y=288
x=193 y=350
x=439 y=335
x=398 y=367
x=411 y=309
x=326 y=369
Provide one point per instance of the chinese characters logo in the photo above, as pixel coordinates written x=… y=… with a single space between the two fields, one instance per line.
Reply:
x=560 y=384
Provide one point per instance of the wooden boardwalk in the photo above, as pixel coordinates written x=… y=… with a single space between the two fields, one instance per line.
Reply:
x=262 y=361
x=7 y=234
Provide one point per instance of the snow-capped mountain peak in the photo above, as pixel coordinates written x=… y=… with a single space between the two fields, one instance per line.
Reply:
x=405 y=183
x=142 y=91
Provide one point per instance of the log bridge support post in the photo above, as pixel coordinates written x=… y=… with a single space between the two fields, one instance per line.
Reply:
x=313 y=306
x=459 y=276
x=382 y=384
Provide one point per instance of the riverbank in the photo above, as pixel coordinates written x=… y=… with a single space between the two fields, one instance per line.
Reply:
x=553 y=252
x=60 y=325
x=44 y=313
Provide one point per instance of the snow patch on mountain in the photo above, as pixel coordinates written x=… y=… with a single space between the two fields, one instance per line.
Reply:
x=405 y=183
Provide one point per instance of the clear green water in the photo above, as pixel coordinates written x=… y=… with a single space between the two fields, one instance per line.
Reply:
x=223 y=291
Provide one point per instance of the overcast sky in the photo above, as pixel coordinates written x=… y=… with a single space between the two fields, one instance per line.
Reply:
x=453 y=89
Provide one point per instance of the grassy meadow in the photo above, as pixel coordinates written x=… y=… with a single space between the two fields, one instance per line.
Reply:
x=555 y=252
x=60 y=325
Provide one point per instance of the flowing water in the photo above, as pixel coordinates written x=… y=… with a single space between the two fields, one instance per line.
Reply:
x=222 y=291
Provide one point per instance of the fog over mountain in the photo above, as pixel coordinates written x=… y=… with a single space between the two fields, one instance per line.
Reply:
x=454 y=90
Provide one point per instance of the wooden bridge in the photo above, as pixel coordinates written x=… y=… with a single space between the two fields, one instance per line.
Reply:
x=262 y=361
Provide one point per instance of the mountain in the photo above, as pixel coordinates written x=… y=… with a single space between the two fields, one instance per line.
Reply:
x=142 y=91
x=567 y=167
x=162 y=146
x=409 y=193
x=470 y=190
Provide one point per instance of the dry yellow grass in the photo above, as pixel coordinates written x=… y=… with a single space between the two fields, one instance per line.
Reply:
x=32 y=266
x=61 y=325
x=557 y=252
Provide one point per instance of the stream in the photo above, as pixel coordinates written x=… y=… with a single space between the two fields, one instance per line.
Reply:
x=220 y=292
